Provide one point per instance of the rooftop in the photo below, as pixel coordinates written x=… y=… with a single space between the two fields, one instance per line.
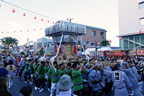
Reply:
x=88 y=27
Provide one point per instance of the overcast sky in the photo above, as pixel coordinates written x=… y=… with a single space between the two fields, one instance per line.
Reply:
x=97 y=13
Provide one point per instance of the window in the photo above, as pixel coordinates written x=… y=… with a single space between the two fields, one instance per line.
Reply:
x=93 y=33
x=92 y=44
x=84 y=43
x=141 y=5
x=102 y=35
x=141 y=20
x=78 y=42
x=87 y=42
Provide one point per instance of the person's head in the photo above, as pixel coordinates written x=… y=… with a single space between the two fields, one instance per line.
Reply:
x=1 y=64
x=42 y=63
x=62 y=67
x=130 y=63
x=96 y=66
x=47 y=63
x=55 y=64
x=69 y=66
x=125 y=65
x=10 y=62
x=26 y=91
x=76 y=66
x=65 y=83
x=3 y=86
x=117 y=67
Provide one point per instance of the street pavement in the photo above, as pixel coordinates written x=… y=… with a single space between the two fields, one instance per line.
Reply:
x=15 y=89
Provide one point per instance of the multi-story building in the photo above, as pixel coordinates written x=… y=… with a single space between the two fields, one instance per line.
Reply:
x=131 y=21
x=92 y=37
x=42 y=43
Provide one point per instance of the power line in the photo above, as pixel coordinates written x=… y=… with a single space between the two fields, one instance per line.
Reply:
x=28 y=10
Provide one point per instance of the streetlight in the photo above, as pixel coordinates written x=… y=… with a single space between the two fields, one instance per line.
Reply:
x=70 y=19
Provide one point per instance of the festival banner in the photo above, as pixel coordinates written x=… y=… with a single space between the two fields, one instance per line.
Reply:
x=138 y=52
x=99 y=53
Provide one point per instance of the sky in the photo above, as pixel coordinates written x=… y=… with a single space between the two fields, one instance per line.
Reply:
x=97 y=13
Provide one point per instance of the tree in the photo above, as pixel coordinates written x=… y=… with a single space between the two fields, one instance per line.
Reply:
x=9 y=41
x=42 y=51
x=105 y=43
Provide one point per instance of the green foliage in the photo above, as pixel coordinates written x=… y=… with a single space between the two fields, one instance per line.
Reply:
x=22 y=53
x=105 y=43
x=9 y=41
x=42 y=51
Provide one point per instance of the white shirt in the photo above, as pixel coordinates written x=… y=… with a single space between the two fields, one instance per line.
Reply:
x=65 y=93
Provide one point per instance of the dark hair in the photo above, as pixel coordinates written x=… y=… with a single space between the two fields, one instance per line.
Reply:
x=3 y=87
x=10 y=62
x=54 y=62
x=69 y=64
x=129 y=61
x=74 y=65
x=42 y=62
x=116 y=67
x=61 y=64
x=26 y=90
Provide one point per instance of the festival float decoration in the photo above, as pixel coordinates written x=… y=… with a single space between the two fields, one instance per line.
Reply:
x=65 y=36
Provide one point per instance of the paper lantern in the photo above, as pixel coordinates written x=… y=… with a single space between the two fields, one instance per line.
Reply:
x=41 y=19
x=110 y=41
x=27 y=30
x=120 y=38
x=40 y=28
x=35 y=17
x=13 y=10
x=14 y=31
x=140 y=32
x=34 y=29
x=53 y=22
x=75 y=49
x=24 y=14
x=0 y=5
x=87 y=44
x=98 y=43
x=2 y=32
x=78 y=45
x=55 y=49
x=21 y=31
x=48 y=21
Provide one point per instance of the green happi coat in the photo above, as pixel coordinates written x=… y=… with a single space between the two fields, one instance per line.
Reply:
x=40 y=73
x=68 y=72
x=26 y=68
x=61 y=72
x=32 y=68
x=54 y=75
x=77 y=80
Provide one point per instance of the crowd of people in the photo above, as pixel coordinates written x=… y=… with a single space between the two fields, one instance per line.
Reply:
x=125 y=78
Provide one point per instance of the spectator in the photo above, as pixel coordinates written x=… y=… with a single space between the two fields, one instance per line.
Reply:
x=3 y=87
x=11 y=71
x=26 y=91
x=3 y=71
x=64 y=85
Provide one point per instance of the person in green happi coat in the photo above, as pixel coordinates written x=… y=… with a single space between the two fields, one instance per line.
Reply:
x=68 y=69
x=40 y=73
x=53 y=73
x=61 y=71
x=77 y=78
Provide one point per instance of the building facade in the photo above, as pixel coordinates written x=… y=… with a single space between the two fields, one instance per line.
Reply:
x=131 y=22
x=42 y=43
